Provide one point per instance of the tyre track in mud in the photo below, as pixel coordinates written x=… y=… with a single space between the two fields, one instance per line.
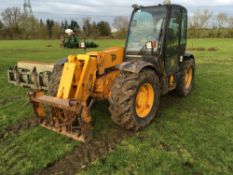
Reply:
x=20 y=126
x=86 y=153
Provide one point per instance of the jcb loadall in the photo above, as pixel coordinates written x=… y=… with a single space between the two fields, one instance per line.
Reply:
x=152 y=63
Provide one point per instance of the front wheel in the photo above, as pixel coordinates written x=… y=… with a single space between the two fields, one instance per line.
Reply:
x=135 y=99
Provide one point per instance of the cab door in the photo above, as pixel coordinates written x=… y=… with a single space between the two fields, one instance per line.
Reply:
x=172 y=48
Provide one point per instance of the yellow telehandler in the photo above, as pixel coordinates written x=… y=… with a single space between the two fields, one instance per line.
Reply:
x=152 y=63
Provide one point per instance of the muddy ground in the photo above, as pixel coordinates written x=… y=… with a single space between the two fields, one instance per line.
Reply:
x=19 y=127
x=86 y=153
x=81 y=156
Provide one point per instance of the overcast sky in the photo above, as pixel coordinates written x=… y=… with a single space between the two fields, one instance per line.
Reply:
x=107 y=9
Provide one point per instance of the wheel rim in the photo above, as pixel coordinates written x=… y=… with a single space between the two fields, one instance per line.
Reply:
x=144 y=100
x=188 y=78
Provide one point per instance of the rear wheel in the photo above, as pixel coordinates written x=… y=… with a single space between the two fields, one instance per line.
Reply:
x=134 y=99
x=186 y=80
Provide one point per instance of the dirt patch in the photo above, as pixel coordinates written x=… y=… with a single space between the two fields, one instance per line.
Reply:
x=18 y=127
x=197 y=49
x=49 y=46
x=211 y=49
x=84 y=154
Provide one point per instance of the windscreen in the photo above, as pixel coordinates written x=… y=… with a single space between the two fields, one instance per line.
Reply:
x=145 y=26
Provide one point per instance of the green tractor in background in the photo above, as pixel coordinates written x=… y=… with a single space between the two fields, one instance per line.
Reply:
x=71 y=41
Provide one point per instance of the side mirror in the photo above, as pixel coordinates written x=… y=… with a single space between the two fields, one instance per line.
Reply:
x=151 y=45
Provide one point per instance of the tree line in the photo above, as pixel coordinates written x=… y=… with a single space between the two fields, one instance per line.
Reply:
x=204 y=24
x=16 y=25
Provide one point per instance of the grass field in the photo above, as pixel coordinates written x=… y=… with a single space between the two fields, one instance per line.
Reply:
x=192 y=135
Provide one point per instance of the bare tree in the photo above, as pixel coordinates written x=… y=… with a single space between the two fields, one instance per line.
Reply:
x=194 y=21
x=201 y=19
x=222 y=19
x=28 y=26
x=94 y=30
x=87 y=26
x=1 y=24
x=205 y=16
x=121 y=23
x=230 y=22
x=11 y=16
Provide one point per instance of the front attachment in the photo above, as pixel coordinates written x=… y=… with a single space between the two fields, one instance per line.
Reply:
x=67 y=117
x=33 y=75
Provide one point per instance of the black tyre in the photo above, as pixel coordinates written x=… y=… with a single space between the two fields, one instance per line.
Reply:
x=55 y=80
x=135 y=99
x=187 y=76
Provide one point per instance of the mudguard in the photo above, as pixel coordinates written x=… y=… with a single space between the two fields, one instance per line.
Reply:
x=136 y=66
x=188 y=56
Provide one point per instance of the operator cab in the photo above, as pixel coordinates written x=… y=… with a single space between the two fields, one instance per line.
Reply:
x=158 y=33
x=145 y=30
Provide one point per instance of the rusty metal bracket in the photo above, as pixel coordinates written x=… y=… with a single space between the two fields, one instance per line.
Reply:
x=56 y=102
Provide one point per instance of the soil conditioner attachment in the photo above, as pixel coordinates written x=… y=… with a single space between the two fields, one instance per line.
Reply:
x=132 y=78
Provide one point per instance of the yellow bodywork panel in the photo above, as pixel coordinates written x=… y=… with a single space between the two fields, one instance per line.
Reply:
x=84 y=74
x=78 y=78
x=103 y=84
x=108 y=58
x=112 y=57
x=66 y=81
x=87 y=79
